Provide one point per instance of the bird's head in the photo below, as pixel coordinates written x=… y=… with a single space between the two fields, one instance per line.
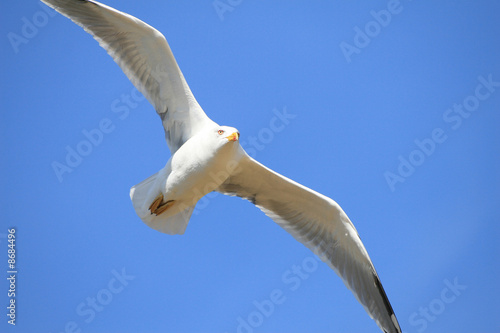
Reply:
x=227 y=133
x=218 y=137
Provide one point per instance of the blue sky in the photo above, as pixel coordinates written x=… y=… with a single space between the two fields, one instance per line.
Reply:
x=398 y=123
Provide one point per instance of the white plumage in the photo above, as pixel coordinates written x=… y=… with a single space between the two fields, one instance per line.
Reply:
x=207 y=157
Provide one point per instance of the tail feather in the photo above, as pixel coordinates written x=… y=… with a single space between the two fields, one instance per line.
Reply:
x=173 y=221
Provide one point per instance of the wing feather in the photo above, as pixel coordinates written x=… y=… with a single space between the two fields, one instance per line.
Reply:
x=145 y=57
x=320 y=224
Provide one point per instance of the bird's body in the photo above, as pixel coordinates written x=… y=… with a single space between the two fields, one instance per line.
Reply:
x=200 y=166
x=192 y=166
x=206 y=157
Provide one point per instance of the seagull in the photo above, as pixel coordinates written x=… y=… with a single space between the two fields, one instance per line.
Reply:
x=207 y=157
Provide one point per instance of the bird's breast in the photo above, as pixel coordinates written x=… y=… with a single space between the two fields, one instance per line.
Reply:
x=195 y=173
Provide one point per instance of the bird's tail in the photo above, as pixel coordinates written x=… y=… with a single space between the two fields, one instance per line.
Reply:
x=172 y=221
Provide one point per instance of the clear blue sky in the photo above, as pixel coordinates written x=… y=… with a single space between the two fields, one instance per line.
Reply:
x=398 y=123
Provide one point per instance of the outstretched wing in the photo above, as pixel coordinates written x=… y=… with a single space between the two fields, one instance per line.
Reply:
x=143 y=54
x=319 y=223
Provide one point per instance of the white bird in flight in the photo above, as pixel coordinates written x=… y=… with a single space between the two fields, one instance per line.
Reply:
x=207 y=157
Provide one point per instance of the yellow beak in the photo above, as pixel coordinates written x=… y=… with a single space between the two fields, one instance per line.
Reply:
x=233 y=137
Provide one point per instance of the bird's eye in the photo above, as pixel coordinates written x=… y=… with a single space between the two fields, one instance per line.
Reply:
x=220 y=132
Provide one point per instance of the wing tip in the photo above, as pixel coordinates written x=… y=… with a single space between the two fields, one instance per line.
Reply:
x=387 y=304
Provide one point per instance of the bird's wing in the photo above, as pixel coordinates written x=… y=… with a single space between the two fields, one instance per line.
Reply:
x=319 y=223
x=145 y=57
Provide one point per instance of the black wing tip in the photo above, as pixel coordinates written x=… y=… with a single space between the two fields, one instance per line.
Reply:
x=387 y=304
